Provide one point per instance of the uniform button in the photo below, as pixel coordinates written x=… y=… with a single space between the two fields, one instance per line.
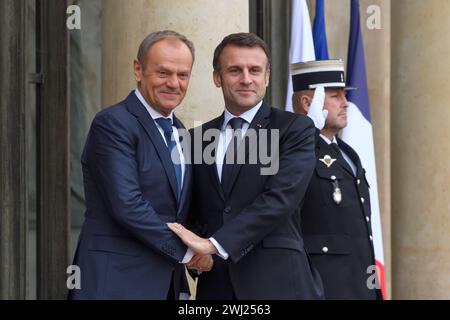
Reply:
x=358 y=181
x=362 y=199
x=367 y=219
x=370 y=237
x=324 y=249
x=227 y=210
x=333 y=177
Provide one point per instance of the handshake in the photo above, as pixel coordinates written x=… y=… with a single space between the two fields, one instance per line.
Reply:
x=203 y=248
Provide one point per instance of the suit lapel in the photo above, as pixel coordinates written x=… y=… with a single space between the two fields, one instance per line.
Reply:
x=186 y=182
x=341 y=161
x=136 y=108
x=260 y=121
x=216 y=124
x=187 y=168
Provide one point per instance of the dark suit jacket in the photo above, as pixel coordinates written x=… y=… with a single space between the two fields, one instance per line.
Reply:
x=337 y=235
x=125 y=249
x=257 y=219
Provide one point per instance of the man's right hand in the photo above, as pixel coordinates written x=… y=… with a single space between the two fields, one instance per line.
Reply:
x=316 y=111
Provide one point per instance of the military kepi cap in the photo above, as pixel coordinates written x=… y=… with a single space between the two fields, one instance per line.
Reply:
x=327 y=73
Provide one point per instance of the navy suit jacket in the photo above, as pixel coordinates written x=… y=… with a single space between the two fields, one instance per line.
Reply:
x=257 y=221
x=125 y=249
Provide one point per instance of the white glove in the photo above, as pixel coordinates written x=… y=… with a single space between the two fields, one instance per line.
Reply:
x=316 y=111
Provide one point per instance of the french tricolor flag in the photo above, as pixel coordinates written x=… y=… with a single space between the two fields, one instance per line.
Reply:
x=358 y=132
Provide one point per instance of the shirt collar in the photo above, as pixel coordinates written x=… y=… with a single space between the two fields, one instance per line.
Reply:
x=153 y=113
x=328 y=141
x=247 y=115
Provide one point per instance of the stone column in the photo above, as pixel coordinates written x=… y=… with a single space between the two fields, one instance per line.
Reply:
x=378 y=63
x=420 y=149
x=205 y=22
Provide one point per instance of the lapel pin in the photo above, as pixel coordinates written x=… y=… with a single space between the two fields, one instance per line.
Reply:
x=327 y=160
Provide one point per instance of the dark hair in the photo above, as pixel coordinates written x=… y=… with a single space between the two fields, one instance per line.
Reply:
x=154 y=37
x=242 y=39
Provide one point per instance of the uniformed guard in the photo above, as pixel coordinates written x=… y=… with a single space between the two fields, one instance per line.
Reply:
x=335 y=216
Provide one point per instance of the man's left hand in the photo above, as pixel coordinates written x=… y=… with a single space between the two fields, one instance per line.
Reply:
x=197 y=244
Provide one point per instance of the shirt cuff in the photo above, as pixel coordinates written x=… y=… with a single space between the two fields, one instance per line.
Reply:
x=188 y=256
x=220 y=250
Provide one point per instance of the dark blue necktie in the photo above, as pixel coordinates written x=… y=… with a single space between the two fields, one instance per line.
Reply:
x=230 y=160
x=166 y=125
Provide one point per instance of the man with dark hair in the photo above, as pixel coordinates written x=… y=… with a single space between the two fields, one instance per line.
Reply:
x=246 y=216
x=336 y=208
x=136 y=180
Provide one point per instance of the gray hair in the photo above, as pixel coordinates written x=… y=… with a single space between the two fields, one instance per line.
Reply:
x=154 y=37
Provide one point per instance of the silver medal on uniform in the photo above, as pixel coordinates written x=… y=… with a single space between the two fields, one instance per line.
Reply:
x=337 y=195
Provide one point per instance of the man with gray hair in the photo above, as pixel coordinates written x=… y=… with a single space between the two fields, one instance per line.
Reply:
x=136 y=180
